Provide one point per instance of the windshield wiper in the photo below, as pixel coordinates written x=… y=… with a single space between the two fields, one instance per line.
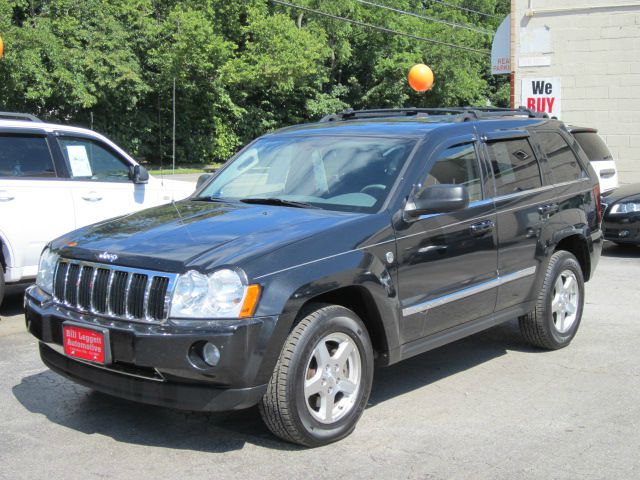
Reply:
x=277 y=201
x=209 y=199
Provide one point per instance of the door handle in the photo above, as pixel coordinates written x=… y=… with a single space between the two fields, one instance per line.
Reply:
x=5 y=198
x=481 y=228
x=548 y=209
x=92 y=197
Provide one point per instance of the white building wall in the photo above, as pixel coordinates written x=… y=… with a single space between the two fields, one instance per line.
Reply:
x=593 y=46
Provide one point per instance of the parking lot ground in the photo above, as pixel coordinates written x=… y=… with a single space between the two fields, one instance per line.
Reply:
x=487 y=407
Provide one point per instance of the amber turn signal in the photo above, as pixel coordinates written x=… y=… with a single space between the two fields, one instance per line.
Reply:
x=250 y=301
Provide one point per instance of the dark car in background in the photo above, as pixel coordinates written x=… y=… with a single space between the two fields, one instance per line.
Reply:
x=322 y=250
x=621 y=221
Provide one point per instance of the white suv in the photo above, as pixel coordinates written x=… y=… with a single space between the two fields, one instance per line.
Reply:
x=54 y=179
x=599 y=155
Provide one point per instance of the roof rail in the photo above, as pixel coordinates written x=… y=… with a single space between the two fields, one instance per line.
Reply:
x=462 y=114
x=19 y=116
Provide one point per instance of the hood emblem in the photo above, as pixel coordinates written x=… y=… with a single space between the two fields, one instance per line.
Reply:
x=109 y=257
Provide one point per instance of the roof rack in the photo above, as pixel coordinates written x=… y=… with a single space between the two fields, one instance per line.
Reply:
x=19 y=116
x=461 y=114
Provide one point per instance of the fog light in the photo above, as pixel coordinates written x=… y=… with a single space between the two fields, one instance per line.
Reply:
x=210 y=354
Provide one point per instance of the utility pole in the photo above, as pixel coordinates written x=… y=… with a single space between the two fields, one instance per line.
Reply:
x=173 y=148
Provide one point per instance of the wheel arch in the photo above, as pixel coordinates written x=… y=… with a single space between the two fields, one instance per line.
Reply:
x=5 y=252
x=359 y=300
x=578 y=246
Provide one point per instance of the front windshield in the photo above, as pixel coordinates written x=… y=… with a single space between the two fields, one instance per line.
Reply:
x=352 y=174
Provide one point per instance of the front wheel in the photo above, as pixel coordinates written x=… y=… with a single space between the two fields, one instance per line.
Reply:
x=556 y=318
x=321 y=383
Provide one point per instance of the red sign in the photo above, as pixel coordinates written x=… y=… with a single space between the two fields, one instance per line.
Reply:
x=84 y=343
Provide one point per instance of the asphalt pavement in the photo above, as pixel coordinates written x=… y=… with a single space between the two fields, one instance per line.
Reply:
x=486 y=407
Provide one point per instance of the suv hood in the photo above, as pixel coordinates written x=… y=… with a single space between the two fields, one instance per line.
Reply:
x=196 y=234
x=621 y=193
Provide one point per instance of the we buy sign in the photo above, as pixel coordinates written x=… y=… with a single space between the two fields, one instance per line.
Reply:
x=542 y=95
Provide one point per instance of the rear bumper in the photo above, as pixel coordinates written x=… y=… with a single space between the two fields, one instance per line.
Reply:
x=159 y=364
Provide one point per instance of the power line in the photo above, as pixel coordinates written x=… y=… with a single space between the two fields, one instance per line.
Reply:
x=425 y=17
x=381 y=29
x=469 y=10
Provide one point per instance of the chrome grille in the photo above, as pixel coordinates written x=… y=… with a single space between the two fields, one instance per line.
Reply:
x=113 y=291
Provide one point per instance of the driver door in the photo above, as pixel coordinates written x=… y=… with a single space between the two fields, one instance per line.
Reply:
x=447 y=262
x=99 y=179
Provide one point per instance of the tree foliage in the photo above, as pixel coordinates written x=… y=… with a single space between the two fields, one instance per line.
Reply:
x=241 y=68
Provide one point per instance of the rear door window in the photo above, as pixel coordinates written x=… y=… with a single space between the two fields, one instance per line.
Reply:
x=562 y=160
x=515 y=167
x=25 y=156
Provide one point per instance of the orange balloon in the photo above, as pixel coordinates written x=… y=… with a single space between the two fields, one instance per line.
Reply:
x=420 y=77
x=1 y=48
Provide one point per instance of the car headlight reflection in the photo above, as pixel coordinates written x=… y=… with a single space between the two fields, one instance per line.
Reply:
x=626 y=207
x=221 y=294
x=46 y=270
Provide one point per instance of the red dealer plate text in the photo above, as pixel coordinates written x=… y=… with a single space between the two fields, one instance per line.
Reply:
x=84 y=343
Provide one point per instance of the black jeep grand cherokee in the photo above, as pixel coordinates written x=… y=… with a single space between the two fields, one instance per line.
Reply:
x=319 y=250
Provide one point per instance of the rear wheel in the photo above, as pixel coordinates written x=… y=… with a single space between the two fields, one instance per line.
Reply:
x=556 y=318
x=321 y=383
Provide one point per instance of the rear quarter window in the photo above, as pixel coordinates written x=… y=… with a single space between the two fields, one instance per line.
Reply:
x=564 y=164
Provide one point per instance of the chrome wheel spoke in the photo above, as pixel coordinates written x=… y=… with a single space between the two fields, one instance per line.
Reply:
x=327 y=404
x=322 y=355
x=558 y=285
x=561 y=317
x=555 y=304
x=313 y=385
x=342 y=353
x=347 y=387
x=568 y=283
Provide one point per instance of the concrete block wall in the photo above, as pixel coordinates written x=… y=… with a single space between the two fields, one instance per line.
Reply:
x=595 y=51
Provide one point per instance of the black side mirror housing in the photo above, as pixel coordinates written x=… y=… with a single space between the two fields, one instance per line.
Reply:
x=443 y=198
x=139 y=174
x=202 y=179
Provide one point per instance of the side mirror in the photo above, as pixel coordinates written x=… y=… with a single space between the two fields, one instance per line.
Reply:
x=441 y=198
x=139 y=174
x=202 y=179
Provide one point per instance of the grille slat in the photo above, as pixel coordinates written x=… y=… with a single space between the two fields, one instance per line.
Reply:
x=71 y=288
x=84 y=287
x=112 y=291
x=157 y=296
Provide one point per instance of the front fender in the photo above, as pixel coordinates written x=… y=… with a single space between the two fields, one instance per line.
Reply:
x=285 y=294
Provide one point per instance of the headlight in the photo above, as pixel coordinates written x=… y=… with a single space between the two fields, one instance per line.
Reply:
x=46 y=270
x=627 y=207
x=221 y=294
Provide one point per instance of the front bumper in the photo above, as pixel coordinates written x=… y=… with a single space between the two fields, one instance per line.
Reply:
x=622 y=228
x=158 y=363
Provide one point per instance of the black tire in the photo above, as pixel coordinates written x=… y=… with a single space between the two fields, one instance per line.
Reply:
x=542 y=327
x=285 y=408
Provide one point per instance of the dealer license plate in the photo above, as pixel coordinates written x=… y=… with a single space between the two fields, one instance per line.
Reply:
x=86 y=343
